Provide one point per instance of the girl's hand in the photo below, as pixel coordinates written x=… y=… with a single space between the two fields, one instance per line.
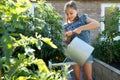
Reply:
x=77 y=31
x=68 y=33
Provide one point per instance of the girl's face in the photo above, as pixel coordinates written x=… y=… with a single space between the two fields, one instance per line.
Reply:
x=71 y=14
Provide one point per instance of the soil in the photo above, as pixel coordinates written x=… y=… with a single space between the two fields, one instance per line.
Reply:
x=115 y=64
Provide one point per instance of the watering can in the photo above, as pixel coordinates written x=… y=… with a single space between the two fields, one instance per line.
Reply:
x=79 y=51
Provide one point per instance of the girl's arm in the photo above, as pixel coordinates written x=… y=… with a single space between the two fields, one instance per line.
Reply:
x=68 y=39
x=67 y=36
x=91 y=24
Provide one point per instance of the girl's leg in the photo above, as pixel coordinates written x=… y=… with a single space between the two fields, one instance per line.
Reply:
x=87 y=67
x=77 y=72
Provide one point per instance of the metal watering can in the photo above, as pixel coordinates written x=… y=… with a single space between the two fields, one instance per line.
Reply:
x=79 y=51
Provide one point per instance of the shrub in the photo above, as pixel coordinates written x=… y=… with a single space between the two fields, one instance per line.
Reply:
x=51 y=28
x=107 y=49
x=23 y=37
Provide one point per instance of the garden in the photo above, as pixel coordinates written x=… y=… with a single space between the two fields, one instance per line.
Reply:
x=29 y=41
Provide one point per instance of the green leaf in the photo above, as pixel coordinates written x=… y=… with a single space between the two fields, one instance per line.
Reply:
x=7 y=44
x=11 y=29
x=21 y=56
x=39 y=44
x=22 y=78
x=29 y=51
x=49 y=42
x=1 y=62
x=41 y=65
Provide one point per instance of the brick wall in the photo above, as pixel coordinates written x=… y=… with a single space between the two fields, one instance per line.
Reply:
x=91 y=7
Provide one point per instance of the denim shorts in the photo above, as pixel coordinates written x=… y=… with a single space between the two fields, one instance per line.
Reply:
x=89 y=60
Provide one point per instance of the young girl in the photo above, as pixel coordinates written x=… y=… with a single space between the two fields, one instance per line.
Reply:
x=79 y=26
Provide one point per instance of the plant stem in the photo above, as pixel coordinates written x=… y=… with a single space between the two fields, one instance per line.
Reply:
x=0 y=75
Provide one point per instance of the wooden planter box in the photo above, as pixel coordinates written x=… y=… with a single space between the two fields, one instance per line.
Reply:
x=103 y=71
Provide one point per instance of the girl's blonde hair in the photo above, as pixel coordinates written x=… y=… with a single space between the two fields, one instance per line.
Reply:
x=71 y=4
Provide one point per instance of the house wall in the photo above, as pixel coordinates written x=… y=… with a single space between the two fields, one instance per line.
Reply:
x=91 y=7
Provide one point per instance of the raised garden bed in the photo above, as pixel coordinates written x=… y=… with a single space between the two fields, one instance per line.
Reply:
x=103 y=71
x=115 y=64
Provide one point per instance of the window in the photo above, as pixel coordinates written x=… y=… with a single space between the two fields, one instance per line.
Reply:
x=104 y=8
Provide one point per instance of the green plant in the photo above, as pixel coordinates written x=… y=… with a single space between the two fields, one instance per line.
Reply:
x=20 y=40
x=112 y=19
x=13 y=18
x=25 y=66
x=51 y=27
x=108 y=49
